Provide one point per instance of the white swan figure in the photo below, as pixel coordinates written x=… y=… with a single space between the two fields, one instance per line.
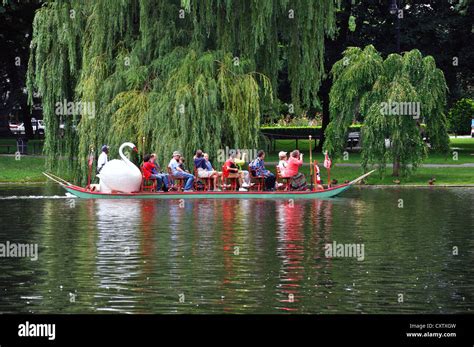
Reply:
x=120 y=175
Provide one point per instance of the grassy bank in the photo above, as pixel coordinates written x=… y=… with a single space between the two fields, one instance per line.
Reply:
x=462 y=152
x=27 y=169
x=443 y=176
x=30 y=168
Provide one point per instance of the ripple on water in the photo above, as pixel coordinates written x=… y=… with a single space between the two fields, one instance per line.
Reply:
x=246 y=256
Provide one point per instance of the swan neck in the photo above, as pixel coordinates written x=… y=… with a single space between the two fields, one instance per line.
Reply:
x=124 y=158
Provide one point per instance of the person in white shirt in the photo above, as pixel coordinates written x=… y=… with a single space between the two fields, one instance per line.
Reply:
x=103 y=158
x=283 y=163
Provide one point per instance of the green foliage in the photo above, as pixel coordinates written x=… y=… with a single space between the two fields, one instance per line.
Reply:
x=183 y=74
x=364 y=82
x=460 y=117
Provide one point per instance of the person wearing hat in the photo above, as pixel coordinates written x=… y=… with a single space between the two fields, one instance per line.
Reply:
x=177 y=171
x=103 y=158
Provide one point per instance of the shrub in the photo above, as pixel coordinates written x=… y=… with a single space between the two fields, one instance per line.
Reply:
x=460 y=116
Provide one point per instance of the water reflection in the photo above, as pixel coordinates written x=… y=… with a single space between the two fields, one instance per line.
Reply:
x=238 y=256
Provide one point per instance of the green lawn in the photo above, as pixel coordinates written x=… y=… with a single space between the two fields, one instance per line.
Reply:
x=450 y=176
x=27 y=169
x=30 y=168
x=443 y=176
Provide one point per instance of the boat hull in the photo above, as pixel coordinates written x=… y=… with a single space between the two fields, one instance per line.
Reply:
x=323 y=194
x=328 y=193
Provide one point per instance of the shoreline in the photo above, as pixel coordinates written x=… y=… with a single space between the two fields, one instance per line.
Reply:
x=355 y=186
x=29 y=171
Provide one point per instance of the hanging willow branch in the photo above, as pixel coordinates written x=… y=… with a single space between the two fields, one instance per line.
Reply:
x=184 y=74
x=365 y=83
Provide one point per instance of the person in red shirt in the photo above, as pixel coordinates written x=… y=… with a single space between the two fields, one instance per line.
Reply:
x=298 y=181
x=230 y=170
x=294 y=163
x=150 y=172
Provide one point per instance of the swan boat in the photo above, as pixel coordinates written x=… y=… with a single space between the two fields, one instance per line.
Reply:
x=85 y=193
x=120 y=174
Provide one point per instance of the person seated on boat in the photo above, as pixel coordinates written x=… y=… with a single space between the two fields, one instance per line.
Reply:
x=209 y=165
x=319 y=182
x=150 y=172
x=178 y=171
x=298 y=180
x=230 y=170
x=182 y=165
x=239 y=161
x=202 y=168
x=283 y=163
x=103 y=158
x=258 y=165
x=157 y=171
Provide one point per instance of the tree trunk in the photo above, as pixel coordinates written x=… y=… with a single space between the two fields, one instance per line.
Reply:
x=396 y=167
x=27 y=119
x=333 y=51
x=324 y=92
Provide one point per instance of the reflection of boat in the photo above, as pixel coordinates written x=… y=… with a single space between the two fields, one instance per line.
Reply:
x=87 y=194
x=118 y=257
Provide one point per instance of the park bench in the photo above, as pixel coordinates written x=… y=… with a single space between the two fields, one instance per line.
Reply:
x=353 y=139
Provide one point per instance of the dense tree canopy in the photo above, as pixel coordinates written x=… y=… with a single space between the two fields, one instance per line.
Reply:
x=460 y=117
x=184 y=74
x=440 y=28
x=394 y=95
x=15 y=37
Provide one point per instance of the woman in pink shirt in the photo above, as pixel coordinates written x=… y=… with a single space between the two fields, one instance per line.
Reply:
x=298 y=181
x=294 y=163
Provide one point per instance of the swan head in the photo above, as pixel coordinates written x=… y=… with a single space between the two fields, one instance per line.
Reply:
x=130 y=145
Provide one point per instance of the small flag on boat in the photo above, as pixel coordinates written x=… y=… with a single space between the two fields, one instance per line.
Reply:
x=327 y=161
x=318 y=176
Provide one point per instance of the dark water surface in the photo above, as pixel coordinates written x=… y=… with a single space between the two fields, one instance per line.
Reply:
x=242 y=256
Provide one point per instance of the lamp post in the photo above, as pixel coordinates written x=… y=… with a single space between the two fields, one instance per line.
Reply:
x=394 y=10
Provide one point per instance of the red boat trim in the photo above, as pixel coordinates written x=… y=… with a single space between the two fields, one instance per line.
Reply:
x=81 y=189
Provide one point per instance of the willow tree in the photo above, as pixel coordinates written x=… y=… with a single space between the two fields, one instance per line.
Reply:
x=393 y=96
x=183 y=74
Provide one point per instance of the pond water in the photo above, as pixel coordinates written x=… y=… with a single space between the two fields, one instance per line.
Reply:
x=239 y=256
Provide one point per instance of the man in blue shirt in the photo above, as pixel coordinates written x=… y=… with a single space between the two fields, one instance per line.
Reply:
x=176 y=171
x=258 y=165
